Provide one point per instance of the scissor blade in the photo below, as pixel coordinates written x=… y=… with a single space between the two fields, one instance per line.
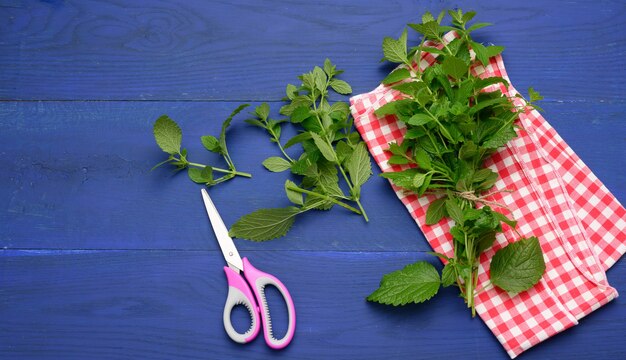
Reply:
x=221 y=232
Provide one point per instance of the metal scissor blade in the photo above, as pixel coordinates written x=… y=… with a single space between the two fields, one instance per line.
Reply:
x=231 y=255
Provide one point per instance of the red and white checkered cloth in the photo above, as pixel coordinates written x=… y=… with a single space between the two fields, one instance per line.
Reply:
x=556 y=197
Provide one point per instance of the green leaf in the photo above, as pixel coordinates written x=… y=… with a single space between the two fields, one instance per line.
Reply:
x=395 y=50
x=201 y=176
x=415 y=283
x=276 y=164
x=481 y=52
x=325 y=149
x=293 y=196
x=423 y=159
x=340 y=86
x=499 y=101
x=500 y=138
x=329 y=68
x=478 y=26
x=436 y=211
x=534 y=95
x=448 y=276
x=291 y=91
x=455 y=211
x=483 y=83
x=167 y=135
x=297 y=139
x=264 y=224
x=396 y=75
x=419 y=119
x=418 y=180
x=454 y=67
x=211 y=143
x=343 y=151
x=262 y=111
x=403 y=178
x=512 y=223
x=300 y=114
x=319 y=77
x=397 y=160
x=390 y=108
x=518 y=266
x=494 y=50
x=226 y=124
x=359 y=166
x=427 y=17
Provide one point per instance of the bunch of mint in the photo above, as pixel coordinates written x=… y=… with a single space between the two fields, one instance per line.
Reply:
x=453 y=126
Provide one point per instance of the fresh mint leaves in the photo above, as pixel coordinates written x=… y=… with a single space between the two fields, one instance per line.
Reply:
x=518 y=266
x=415 y=283
x=168 y=136
x=453 y=126
x=331 y=153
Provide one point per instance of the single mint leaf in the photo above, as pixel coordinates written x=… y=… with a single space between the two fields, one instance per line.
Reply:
x=167 y=135
x=518 y=266
x=396 y=75
x=454 y=210
x=427 y=17
x=448 y=277
x=534 y=95
x=319 y=77
x=359 y=166
x=201 y=176
x=264 y=224
x=343 y=151
x=300 y=114
x=419 y=119
x=297 y=139
x=293 y=196
x=481 y=52
x=436 y=211
x=423 y=159
x=340 y=86
x=329 y=68
x=494 y=50
x=477 y=26
x=262 y=111
x=276 y=164
x=226 y=124
x=211 y=143
x=395 y=50
x=512 y=223
x=415 y=283
x=324 y=148
x=291 y=91
x=402 y=179
x=454 y=67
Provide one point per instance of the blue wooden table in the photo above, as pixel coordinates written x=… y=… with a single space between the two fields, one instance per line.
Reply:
x=103 y=259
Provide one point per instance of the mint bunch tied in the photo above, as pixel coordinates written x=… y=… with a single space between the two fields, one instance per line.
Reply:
x=452 y=127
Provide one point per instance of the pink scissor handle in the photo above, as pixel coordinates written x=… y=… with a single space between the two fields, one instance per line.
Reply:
x=259 y=280
x=239 y=294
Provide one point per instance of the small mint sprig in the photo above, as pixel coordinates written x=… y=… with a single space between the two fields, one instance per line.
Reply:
x=168 y=136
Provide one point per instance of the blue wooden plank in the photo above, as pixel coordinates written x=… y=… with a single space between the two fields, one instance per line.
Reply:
x=247 y=49
x=77 y=176
x=168 y=305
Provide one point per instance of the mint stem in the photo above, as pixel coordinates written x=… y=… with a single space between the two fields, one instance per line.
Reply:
x=325 y=197
x=226 y=171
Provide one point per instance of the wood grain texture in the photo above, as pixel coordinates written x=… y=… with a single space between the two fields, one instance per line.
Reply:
x=103 y=259
x=166 y=305
x=77 y=175
x=249 y=50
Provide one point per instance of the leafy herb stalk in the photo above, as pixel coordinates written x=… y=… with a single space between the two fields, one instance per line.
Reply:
x=168 y=136
x=332 y=153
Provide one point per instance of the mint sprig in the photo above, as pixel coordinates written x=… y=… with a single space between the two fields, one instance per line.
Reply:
x=331 y=153
x=168 y=137
x=453 y=126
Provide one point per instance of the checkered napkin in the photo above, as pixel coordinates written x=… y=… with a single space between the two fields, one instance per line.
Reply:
x=556 y=197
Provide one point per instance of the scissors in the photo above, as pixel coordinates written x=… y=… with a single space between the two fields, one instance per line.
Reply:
x=250 y=294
